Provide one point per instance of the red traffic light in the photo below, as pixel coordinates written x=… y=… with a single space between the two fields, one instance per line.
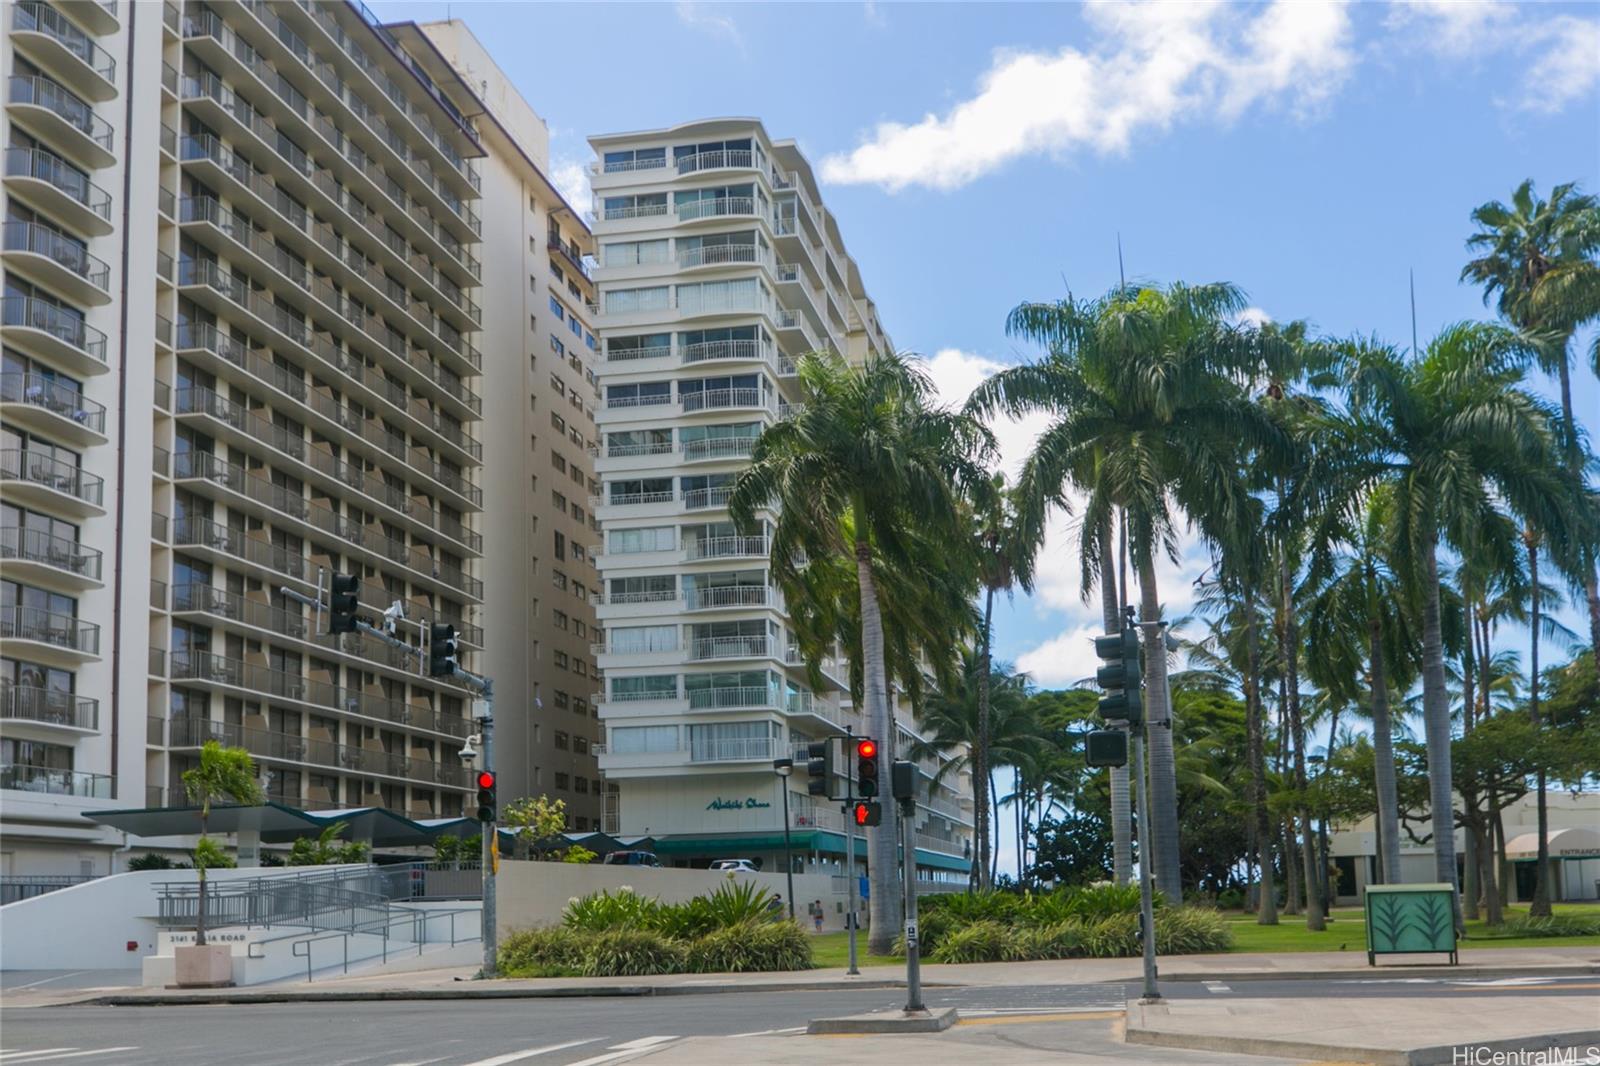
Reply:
x=485 y=778
x=867 y=749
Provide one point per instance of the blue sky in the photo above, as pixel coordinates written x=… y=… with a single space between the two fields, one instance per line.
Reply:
x=979 y=155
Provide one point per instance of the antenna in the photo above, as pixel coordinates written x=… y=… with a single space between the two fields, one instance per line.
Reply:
x=1122 y=276
x=1413 y=275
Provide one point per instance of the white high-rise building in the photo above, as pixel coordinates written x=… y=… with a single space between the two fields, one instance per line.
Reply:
x=719 y=265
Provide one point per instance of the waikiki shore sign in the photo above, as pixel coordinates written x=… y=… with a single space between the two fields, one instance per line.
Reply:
x=749 y=803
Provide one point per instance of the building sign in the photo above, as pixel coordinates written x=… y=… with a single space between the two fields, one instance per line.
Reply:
x=748 y=804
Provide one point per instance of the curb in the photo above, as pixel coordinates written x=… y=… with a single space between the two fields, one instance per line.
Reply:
x=378 y=995
x=1582 y=969
x=1421 y=1056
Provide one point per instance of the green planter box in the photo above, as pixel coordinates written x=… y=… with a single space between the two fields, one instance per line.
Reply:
x=1405 y=919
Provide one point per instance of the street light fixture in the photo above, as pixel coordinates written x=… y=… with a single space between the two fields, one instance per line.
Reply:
x=783 y=768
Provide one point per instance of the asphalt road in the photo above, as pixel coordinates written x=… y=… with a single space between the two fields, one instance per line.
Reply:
x=1381 y=987
x=598 y=1032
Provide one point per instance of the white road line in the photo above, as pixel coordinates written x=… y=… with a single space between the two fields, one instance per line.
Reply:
x=768 y=1032
x=518 y=1056
x=70 y=1053
x=627 y=1051
x=1215 y=986
x=47 y=980
x=642 y=1042
x=17 y=1056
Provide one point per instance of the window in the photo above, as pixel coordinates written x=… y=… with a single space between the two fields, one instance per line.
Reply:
x=561 y=700
x=558 y=461
x=560 y=660
x=563 y=783
x=557 y=310
x=561 y=546
x=635 y=159
x=560 y=740
x=558 y=501
x=642 y=639
x=642 y=205
x=557 y=386
x=638 y=346
x=649 y=539
x=580 y=745
x=739 y=294
x=558 y=423
x=639 y=394
x=580 y=784
x=647 y=687
x=640 y=739
x=733 y=740
x=635 y=253
x=559 y=580
x=559 y=618
x=629 y=301
x=577 y=514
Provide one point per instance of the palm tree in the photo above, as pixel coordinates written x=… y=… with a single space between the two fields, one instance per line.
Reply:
x=1005 y=557
x=223 y=774
x=866 y=460
x=1540 y=259
x=1450 y=434
x=1150 y=415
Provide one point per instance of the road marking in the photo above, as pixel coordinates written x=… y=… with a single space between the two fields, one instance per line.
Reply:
x=768 y=1032
x=1215 y=986
x=14 y=1056
x=47 y=980
x=50 y=1055
x=1521 y=988
x=994 y=1012
x=642 y=1042
x=1023 y=1019
x=518 y=1056
x=618 y=1052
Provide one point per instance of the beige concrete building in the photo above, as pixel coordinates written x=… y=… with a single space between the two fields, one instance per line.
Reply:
x=540 y=394
x=719 y=266
x=242 y=334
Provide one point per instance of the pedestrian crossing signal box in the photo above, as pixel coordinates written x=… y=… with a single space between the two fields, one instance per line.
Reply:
x=1106 y=747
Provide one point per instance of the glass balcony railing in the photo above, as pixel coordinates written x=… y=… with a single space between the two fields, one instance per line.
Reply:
x=37 y=546
x=65 y=631
x=30 y=16
x=68 y=180
x=56 y=782
x=49 y=393
x=67 y=106
x=26 y=703
x=20 y=465
x=60 y=249
x=64 y=325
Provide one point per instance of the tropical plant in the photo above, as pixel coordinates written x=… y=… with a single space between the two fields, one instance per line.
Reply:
x=863 y=461
x=327 y=849
x=222 y=774
x=1150 y=416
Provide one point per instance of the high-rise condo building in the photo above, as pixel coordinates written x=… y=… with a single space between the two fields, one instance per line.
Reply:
x=719 y=265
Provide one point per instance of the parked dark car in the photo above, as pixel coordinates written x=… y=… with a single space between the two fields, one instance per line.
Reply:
x=632 y=858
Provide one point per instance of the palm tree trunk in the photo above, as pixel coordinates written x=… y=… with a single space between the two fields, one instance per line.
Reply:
x=1267 y=906
x=981 y=757
x=200 y=871
x=1121 y=808
x=1383 y=756
x=1436 y=722
x=880 y=841
x=1291 y=655
x=1472 y=860
x=994 y=805
x=1163 y=793
x=1540 y=908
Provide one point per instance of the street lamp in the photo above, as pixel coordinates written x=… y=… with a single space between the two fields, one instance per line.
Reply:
x=785 y=767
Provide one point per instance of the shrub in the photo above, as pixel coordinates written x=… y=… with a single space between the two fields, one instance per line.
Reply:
x=1059 y=940
x=553 y=952
x=1191 y=931
x=985 y=941
x=631 y=953
x=1555 y=925
x=152 y=861
x=1095 y=902
x=601 y=911
x=751 y=946
x=1111 y=938
x=1230 y=899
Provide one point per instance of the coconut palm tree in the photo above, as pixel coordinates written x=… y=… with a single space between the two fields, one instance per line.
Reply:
x=1145 y=388
x=1540 y=260
x=222 y=775
x=865 y=461
x=1452 y=435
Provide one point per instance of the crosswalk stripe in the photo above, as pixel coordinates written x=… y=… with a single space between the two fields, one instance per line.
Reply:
x=518 y=1056
x=57 y=1054
x=642 y=1042
x=624 y=1051
x=1215 y=986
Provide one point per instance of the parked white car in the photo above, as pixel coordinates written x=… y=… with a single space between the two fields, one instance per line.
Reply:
x=744 y=866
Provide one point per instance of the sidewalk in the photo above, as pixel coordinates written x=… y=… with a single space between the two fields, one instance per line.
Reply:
x=457 y=983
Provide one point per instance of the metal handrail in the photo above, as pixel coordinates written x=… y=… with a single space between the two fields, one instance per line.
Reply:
x=419 y=923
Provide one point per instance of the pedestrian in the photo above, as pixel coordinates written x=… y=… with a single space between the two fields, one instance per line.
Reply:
x=775 y=905
x=816 y=914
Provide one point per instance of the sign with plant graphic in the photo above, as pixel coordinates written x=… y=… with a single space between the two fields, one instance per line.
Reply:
x=1403 y=919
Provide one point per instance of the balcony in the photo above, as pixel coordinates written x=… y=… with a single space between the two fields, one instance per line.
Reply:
x=64 y=638
x=694 y=163
x=63 y=119
x=53 y=42
x=36 y=554
x=629 y=355
x=49 y=184
x=714 y=207
x=705 y=649
x=632 y=499
x=56 y=261
x=45 y=781
x=55 y=334
x=623 y=214
x=716 y=255
x=742 y=749
x=707 y=499
x=731 y=698
x=721 y=399
x=293 y=748
x=48 y=707
x=709 y=351
x=717 y=449
x=38 y=479
x=722 y=597
x=726 y=548
x=35 y=401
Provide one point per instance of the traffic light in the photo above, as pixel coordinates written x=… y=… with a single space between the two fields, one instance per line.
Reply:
x=867 y=812
x=903 y=779
x=486 y=796
x=1119 y=677
x=1106 y=747
x=342 y=604
x=867 y=768
x=819 y=766
x=441 y=649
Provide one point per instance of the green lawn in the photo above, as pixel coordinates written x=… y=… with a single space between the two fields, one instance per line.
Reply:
x=1346 y=932
x=833 y=949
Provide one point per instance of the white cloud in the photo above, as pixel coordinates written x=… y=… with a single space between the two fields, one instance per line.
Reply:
x=1564 y=63
x=876 y=17
x=1063 y=660
x=572 y=182
x=1452 y=27
x=1252 y=316
x=1150 y=65
x=703 y=17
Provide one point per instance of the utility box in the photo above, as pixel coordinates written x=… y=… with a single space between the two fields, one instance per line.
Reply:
x=1406 y=919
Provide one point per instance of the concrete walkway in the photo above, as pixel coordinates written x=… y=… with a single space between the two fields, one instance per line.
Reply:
x=457 y=983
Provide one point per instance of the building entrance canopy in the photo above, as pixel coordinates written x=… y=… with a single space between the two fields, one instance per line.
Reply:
x=1573 y=842
x=277 y=823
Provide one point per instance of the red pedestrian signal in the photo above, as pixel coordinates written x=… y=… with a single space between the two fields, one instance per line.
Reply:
x=867 y=813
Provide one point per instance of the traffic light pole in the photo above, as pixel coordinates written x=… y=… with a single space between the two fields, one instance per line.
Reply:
x=851 y=916
x=1147 y=923
x=908 y=810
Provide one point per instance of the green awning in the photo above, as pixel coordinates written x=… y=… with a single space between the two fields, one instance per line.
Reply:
x=820 y=840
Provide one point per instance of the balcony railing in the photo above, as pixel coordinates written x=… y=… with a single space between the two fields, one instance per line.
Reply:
x=731 y=697
x=725 y=547
x=65 y=105
x=40 y=18
x=624 y=166
x=49 y=707
x=49 y=168
x=730 y=349
x=703 y=499
x=614 y=214
x=634 y=499
x=657 y=399
x=718 y=596
x=731 y=648
x=37 y=390
x=49 y=627
x=716 y=399
x=37 y=546
x=714 y=207
x=18 y=465
x=65 y=252
x=697 y=161
x=738 y=749
x=622 y=355
x=717 y=448
x=719 y=255
x=68 y=328
x=630 y=451
x=56 y=782
x=291 y=747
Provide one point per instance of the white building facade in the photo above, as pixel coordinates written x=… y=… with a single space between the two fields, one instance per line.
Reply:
x=718 y=267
